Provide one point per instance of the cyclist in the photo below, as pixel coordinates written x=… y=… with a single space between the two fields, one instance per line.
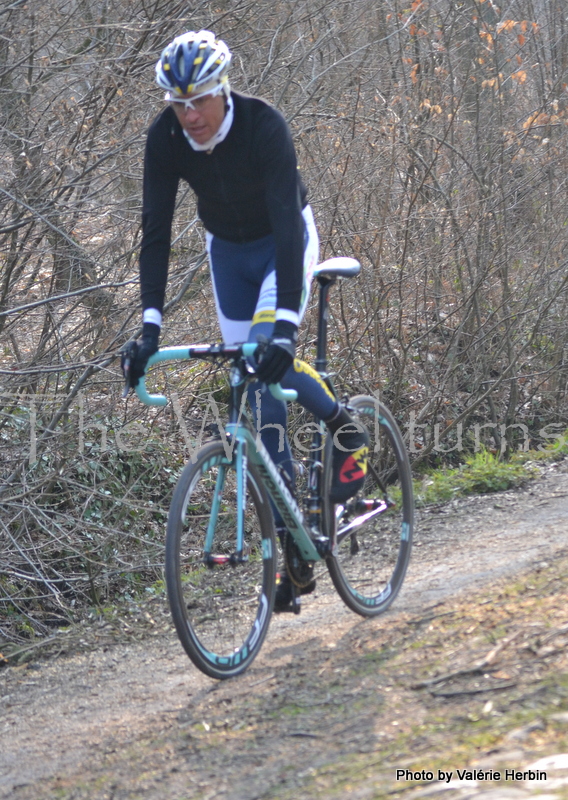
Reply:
x=236 y=153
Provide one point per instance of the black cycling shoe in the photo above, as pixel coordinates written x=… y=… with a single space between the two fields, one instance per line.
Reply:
x=288 y=594
x=349 y=462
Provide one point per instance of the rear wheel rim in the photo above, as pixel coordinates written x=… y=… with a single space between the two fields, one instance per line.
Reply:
x=370 y=559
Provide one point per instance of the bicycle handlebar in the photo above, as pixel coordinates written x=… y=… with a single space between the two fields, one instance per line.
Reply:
x=164 y=354
x=287 y=395
x=195 y=351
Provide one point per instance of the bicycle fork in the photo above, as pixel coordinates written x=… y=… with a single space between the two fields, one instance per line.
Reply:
x=239 y=556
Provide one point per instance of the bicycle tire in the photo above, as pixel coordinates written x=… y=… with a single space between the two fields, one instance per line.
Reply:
x=368 y=562
x=222 y=612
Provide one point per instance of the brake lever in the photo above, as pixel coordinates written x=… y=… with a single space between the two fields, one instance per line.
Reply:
x=128 y=356
x=127 y=386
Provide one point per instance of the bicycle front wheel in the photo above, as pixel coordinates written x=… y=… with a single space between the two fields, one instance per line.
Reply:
x=221 y=601
x=373 y=530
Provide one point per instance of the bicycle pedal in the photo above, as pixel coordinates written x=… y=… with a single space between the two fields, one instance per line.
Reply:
x=295 y=607
x=294 y=604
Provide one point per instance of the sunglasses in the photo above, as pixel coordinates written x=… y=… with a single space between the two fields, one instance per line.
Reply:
x=196 y=102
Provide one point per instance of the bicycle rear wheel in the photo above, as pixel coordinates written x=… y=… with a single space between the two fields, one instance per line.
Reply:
x=373 y=531
x=221 y=604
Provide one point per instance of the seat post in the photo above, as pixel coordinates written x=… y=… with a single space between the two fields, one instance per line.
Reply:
x=325 y=284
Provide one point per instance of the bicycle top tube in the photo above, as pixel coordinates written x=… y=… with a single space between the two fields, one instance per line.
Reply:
x=204 y=352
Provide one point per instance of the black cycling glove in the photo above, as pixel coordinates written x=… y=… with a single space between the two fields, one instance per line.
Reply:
x=135 y=354
x=279 y=353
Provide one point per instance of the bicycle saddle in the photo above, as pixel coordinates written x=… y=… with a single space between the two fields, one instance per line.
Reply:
x=339 y=267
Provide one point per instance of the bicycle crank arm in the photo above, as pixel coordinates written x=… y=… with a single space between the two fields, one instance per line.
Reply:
x=360 y=520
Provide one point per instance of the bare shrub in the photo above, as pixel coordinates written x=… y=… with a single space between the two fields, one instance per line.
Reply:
x=432 y=137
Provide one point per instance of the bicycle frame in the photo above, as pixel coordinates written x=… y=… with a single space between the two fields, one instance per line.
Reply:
x=313 y=543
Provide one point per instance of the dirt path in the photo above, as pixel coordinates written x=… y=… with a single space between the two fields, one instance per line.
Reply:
x=136 y=720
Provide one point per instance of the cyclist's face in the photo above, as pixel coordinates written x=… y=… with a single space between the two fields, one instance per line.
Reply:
x=204 y=120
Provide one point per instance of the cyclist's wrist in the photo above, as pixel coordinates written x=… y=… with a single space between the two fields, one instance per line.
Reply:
x=288 y=315
x=152 y=315
x=285 y=330
x=151 y=333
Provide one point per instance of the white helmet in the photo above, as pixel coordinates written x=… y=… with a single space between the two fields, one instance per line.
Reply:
x=194 y=63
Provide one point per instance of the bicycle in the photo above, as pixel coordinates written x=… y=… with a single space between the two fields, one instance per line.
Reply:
x=221 y=553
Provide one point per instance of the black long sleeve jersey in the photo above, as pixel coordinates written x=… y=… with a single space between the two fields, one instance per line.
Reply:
x=248 y=187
